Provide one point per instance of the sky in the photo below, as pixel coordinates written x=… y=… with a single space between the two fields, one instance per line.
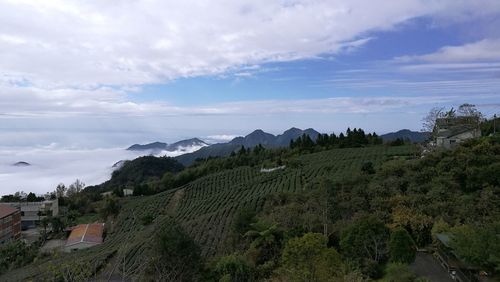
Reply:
x=102 y=74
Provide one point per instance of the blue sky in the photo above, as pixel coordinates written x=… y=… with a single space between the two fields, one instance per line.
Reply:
x=97 y=74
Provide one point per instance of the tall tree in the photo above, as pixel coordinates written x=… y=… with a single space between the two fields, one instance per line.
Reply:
x=401 y=246
x=429 y=121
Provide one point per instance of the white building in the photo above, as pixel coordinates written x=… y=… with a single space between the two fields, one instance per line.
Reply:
x=32 y=212
x=451 y=131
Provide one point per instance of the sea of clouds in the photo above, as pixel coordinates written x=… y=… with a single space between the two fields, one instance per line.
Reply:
x=51 y=166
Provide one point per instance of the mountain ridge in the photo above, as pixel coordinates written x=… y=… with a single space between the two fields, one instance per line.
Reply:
x=251 y=140
x=406 y=134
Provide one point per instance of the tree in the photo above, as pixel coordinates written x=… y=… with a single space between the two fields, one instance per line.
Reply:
x=60 y=190
x=309 y=259
x=429 y=121
x=111 y=206
x=233 y=268
x=367 y=168
x=478 y=245
x=265 y=241
x=176 y=257
x=57 y=224
x=398 y=272
x=401 y=246
x=31 y=197
x=365 y=237
x=75 y=188
x=418 y=223
x=469 y=110
x=242 y=221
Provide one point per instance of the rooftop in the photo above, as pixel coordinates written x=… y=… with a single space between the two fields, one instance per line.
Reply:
x=6 y=210
x=86 y=233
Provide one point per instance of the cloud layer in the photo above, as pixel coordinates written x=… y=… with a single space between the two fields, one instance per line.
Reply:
x=51 y=166
x=64 y=58
x=88 y=43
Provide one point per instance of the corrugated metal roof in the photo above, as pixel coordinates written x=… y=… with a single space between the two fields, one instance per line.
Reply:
x=6 y=210
x=86 y=233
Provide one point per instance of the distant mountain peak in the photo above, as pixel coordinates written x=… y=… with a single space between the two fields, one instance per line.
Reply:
x=188 y=143
x=406 y=134
x=149 y=146
x=21 y=164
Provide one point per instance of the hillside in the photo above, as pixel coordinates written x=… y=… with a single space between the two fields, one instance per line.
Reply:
x=135 y=172
x=406 y=134
x=207 y=207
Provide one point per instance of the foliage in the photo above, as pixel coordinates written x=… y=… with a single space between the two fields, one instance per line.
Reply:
x=70 y=271
x=176 y=257
x=309 y=259
x=478 y=245
x=110 y=207
x=398 y=272
x=367 y=168
x=16 y=254
x=140 y=171
x=242 y=221
x=365 y=237
x=233 y=268
x=405 y=190
x=401 y=246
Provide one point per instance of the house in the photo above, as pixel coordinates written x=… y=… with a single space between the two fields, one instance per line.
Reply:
x=107 y=194
x=453 y=130
x=10 y=223
x=33 y=212
x=85 y=236
x=128 y=192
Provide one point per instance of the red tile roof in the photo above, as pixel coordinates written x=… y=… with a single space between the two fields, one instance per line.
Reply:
x=86 y=233
x=6 y=210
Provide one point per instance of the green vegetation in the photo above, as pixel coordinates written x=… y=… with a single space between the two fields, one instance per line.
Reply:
x=333 y=214
x=16 y=254
x=402 y=247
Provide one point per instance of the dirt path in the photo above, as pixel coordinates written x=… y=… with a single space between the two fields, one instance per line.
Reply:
x=174 y=201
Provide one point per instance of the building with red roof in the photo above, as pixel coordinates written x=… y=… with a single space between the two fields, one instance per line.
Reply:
x=85 y=236
x=10 y=223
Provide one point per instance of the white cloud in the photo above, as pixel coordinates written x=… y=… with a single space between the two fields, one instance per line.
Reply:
x=73 y=43
x=483 y=50
x=72 y=58
x=51 y=165
x=221 y=138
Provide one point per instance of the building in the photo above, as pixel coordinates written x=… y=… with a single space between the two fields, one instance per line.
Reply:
x=451 y=131
x=33 y=212
x=10 y=223
x=85 y=236
x=107 y=194
x=128 y=192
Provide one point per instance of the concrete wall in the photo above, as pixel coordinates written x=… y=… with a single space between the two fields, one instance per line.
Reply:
x=452 y=141
x=10 y=227
x=32 y=212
